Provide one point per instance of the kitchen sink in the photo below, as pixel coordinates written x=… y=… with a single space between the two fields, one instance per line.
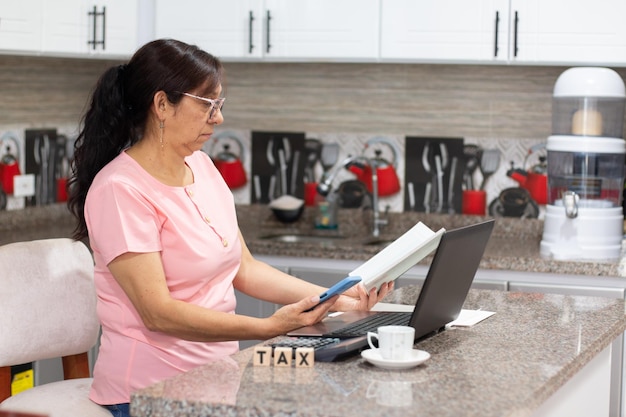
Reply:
x=301 y=238
x=377 y=241
x=328 y=240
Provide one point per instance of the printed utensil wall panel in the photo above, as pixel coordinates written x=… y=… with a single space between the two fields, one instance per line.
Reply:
x=433 y=174
x=278 y=161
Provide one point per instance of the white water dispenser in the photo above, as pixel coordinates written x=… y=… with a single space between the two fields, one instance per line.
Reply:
x=584 y=218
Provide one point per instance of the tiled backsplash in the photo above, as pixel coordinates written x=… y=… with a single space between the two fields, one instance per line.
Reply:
x=514 y=150
x=503 y=107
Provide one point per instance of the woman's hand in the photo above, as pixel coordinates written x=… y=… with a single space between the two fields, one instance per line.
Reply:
x=303 y=313
x=357 y=297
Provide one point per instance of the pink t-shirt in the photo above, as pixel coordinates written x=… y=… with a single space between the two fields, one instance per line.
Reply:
x=195 y=230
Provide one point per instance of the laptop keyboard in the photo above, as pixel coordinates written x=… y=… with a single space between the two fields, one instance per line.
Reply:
x=345 y=341
x=313 y=342
x=326 y=349
x=371 y=323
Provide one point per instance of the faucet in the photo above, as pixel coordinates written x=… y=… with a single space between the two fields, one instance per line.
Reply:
x=378 y=221
x=325 y=185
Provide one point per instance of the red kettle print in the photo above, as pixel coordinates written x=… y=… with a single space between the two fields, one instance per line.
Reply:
x=535 y=179
x=388 y=181
x=9 y=163
x=228 y=163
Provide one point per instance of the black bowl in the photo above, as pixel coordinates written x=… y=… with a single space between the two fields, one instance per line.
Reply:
x=288 y=215
x=287 y=208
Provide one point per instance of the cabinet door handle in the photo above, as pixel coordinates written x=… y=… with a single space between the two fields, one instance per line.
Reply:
x=250 y=44
x=92 y=41
x=94 y=14
x=269 y=45
x=495 y=50
x=104 y=26
x=515 y=50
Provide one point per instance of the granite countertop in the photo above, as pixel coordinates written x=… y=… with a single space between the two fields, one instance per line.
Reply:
x=514 y=244
x=507 y=365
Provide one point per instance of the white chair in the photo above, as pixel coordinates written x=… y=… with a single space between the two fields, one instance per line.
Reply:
x=48 y=310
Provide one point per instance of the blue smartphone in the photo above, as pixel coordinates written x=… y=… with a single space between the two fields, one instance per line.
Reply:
x=338 y=288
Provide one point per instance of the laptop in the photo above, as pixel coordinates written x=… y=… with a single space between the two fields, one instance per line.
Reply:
x=440 y=301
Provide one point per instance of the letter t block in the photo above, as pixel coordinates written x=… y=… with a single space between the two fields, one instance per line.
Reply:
x=262 y=356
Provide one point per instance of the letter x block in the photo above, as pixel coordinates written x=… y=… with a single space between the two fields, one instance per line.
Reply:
x=305 y=357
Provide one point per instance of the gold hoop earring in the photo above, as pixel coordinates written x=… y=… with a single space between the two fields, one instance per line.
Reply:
x=161 y=128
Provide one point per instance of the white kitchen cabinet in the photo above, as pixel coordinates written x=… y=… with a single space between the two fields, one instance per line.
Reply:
x=228 y=29
x=20 y=25
x=566 y=289
x=327 y=272
x=556 y=32
x=443 y=30
x=327 y=276
x=322 y=29
x=568 y=32
x=274 y=29
x=589 y=392
x=104 y=28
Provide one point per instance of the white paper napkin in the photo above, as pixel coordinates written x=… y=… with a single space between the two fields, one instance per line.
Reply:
x=467 y=318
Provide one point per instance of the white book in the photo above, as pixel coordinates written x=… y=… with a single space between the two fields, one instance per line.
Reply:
x=399 y=256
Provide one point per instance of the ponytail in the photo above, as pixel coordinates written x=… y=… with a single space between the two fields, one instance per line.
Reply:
x=106 y=131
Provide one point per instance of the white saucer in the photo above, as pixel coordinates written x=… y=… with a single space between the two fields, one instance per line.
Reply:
x=417 y=357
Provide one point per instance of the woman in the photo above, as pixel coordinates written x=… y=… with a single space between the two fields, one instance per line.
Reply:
x=163 y=229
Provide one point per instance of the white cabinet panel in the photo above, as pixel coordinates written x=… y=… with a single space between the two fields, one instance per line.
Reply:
x=557 y=32
x=588 y=393
x=324 y=29
x=101 y=27
x=121 y=30
x=567 y=289
x=274 y=29
x=417 y=275
x=227 y=29
x=566 y=31
x=20 y=25
x=445 y=30
x=65 y=27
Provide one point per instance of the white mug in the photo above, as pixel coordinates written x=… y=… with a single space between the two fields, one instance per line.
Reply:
x=395 y=342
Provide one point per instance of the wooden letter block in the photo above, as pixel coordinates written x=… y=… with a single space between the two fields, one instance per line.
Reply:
x=305 y=357
x=282 y=356
x=262 y=356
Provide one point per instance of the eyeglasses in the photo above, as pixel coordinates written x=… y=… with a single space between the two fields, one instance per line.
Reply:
x=213 y=105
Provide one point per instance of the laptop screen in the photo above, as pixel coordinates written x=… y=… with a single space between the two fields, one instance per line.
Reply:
x=450 y=277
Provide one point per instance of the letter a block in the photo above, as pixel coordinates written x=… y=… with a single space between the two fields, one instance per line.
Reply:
x=262 y=356
x=282 y=356
x=305 y=357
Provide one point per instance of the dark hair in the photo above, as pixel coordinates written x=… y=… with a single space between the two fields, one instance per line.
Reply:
x=120 y=105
